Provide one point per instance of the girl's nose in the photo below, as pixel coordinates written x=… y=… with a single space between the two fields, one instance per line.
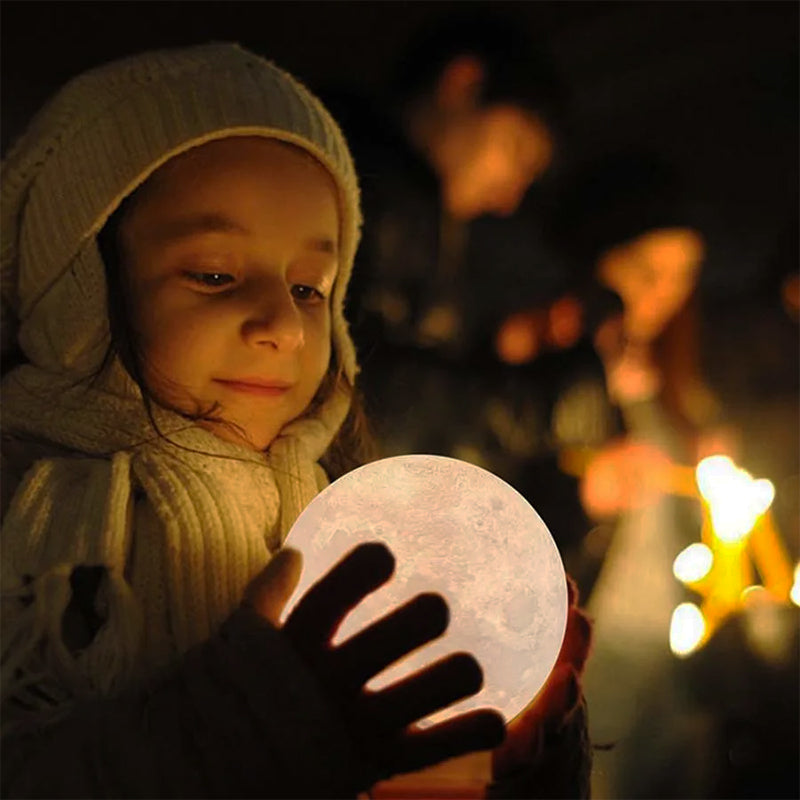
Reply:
x=275 y=321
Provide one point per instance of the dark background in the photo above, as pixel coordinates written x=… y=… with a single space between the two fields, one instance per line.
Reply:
x=712 y=84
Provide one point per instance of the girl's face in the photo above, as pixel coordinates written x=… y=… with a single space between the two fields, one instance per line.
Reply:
x=654 y=275
x=230 y=253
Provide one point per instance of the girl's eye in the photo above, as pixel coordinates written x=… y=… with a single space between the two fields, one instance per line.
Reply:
x=210 y=280
x=307 y=294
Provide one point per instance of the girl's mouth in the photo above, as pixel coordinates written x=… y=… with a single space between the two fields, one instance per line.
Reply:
x=257 y=386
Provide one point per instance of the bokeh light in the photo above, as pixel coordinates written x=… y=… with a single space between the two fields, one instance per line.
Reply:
x=693 y=563
x=687 y=629
x=795 y=590
x=735 y=499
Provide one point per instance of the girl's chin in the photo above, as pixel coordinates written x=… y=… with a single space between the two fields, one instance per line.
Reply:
x=224 y=425
x=235 y=434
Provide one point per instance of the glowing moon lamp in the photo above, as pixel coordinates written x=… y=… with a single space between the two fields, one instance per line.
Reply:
x=459 y=530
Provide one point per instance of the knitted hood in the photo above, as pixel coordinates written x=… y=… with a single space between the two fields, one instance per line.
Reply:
x=97 y=140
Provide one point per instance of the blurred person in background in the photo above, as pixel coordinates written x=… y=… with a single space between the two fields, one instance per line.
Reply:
x=684 y=377
x=447 y=158
x=619 y=350
x=625 y=225
x=456 y=162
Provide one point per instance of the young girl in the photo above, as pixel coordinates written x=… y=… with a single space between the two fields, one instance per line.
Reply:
x=178 y=233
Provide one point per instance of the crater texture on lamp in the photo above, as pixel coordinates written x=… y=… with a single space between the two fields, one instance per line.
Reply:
x=459 y=530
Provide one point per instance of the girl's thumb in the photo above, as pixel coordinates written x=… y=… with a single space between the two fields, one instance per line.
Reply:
x=271 y=589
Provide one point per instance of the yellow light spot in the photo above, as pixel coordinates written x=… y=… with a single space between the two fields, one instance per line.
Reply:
x=693 y=563
x=734 y=498
x=709 y=473
x=795 y=590
x=687 y=629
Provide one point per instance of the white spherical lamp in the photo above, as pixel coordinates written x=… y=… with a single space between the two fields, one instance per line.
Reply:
x=459 y=530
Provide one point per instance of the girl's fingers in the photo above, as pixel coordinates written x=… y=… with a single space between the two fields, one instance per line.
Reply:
x=271 y=589
x=385 y=641
x=577 y=640
x=315 y=619
x=551 y=707
x=437 y=686
x=572 y=592
x=481 y=729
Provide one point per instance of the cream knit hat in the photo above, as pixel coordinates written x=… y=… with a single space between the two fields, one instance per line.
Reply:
x=98 y=139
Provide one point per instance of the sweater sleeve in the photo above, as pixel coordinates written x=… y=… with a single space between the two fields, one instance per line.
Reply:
x=238 y=716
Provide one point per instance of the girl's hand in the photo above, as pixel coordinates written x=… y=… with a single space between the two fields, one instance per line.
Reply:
x=381 y=723
x=547 y=752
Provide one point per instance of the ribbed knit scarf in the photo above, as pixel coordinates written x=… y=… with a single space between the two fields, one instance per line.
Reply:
x=181 y=522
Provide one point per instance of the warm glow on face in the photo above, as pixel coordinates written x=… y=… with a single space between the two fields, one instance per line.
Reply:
x=231 y=255
x=693 y=563
x=795 y=590
x=734 y=498
x=687 y=629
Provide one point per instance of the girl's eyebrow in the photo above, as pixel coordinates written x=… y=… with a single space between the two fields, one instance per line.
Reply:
x=322 y=244
x=198 y=224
